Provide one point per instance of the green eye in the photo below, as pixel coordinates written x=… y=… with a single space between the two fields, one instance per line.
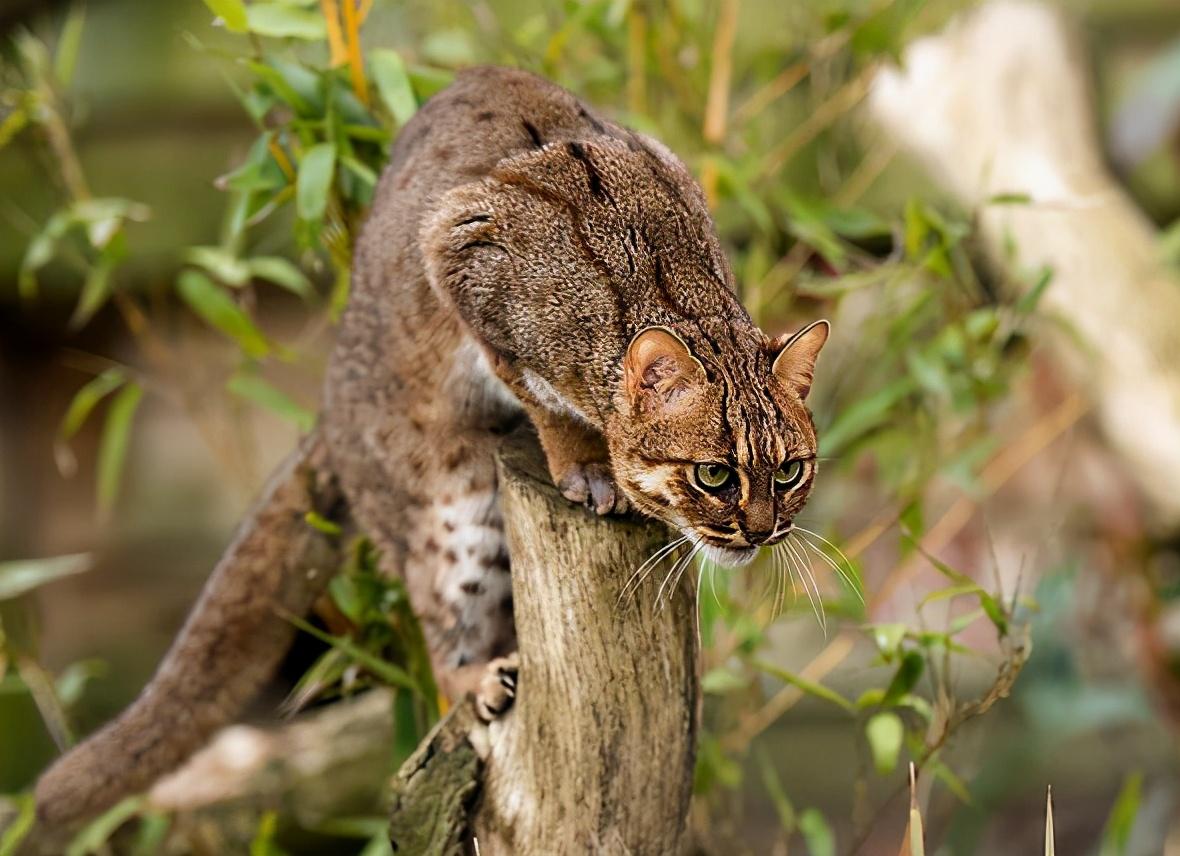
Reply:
x=712 y=477
x=788 y=475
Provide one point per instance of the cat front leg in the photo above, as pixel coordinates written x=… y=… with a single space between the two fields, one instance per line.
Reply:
x=575 y=451
x=578 y=461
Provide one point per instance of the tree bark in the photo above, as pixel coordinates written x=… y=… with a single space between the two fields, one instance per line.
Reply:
x=597 y=754
x=999 y=103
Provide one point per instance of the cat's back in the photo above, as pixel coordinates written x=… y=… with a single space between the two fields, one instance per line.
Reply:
x=486 y=115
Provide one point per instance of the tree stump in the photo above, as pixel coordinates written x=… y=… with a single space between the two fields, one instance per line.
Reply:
x=597 y=754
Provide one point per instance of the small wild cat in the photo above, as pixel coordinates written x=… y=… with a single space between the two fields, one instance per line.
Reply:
x=523 y=255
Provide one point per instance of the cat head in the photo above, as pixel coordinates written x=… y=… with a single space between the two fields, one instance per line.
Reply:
x=712 y=435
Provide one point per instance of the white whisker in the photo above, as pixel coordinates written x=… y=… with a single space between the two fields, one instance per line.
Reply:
x=805 y=574
x=643 y=571
x=844 y=574
x=678 y=565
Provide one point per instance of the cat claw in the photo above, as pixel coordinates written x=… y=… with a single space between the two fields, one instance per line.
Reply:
x=594 y=486
x=497 y=687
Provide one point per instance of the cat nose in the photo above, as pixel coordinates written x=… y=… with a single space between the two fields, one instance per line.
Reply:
x=760 y=537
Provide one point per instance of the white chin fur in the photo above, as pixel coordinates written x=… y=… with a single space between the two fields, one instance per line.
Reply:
x=730 y=558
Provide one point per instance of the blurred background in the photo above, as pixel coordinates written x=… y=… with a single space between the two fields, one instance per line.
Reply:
x=995 y=237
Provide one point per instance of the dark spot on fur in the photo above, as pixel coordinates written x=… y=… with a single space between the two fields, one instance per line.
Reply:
x=500 y=561
x=472 y=587
x=585 y=116
x=534 y=134
x=472 y=245
x=462 y=661
x=456 y=457
x=506 y=605
x=450 y=556
x=442 y=153
x=431 y=545
x=485 y=116
x=593 y=177
x=448 y=526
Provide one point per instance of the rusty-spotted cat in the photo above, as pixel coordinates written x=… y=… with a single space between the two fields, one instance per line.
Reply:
x=524 y=258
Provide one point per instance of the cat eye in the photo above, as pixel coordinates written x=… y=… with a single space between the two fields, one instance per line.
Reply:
x=788 y=475
x=712 y=477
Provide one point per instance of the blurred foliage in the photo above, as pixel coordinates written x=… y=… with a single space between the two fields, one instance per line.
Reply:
x=761 y=114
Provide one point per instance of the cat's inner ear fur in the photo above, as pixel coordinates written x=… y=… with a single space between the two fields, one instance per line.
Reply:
x=795 y=363
x=659 y=372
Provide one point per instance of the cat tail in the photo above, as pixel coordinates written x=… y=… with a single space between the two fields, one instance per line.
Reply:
x=277 y=564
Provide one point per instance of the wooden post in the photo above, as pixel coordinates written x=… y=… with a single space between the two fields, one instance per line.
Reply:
x=597 y=754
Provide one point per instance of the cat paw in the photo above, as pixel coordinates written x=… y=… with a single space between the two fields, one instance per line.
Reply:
x=497 y=687
x=593 y=485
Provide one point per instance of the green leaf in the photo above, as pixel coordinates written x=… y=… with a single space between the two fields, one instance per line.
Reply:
x=1032 y=298
x=71 y=683
x=20 y=826
x=282 y=21
x=95 y=834
x=887 y=638
x=809 y=687
x=281 y=272
x=778 y=795
x=253 y=388
x=315 y=181
x=322 y=524
x=884 y=732
x=721 y=680
x=384 y=670
x=233 y=12
x=264 y=843
x=221 y=263
x=66 y=57
x=817 y=833
x=153 y=829
x=1009 y=199
x=393 y=84
x=87 y=398
x=112 y=450
x=24 y=575
x=219 y=310
x=97 y=287
x=864 y=415
x=1121 y=820
x=909 y=670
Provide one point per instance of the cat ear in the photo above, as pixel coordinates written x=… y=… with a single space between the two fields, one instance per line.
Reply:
x=795 y=362
x=659 y=369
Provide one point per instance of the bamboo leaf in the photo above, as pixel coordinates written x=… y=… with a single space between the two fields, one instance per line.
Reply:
x=817 y=833
x=809 y=687
x=112 y=450
x=1117 y=832
x=22 y=576
x=232 y=12
x=219 y=310
x=393 y=84
x=253 y=388
x=87 y=398
x=388 y=672
x=315 y=181
x=95 y=834
x=281 y=272
x=282 y=21
x=884 y=731
x=20 y=826
x=66 y=57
